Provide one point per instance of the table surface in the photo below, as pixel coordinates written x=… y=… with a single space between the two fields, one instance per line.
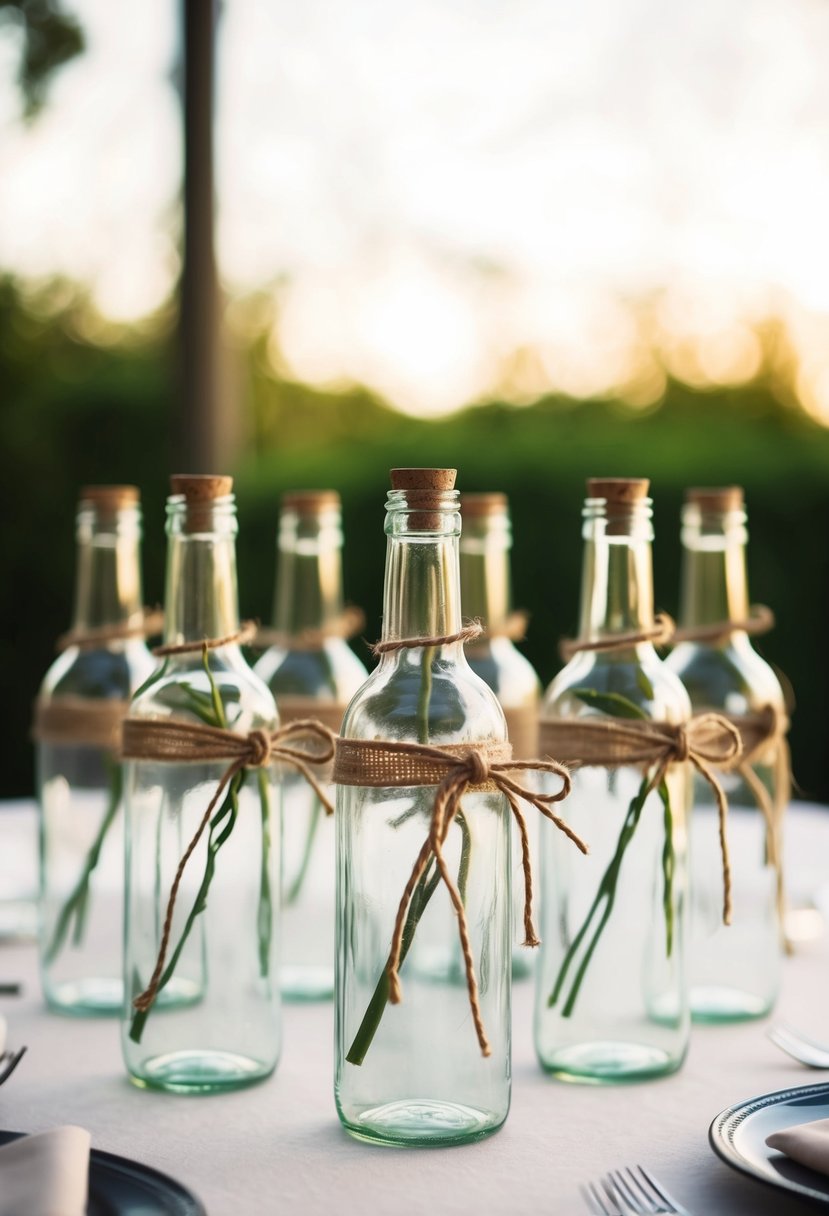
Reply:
x=279 y=1147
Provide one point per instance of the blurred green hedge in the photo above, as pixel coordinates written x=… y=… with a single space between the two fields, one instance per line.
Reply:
x=74 y=413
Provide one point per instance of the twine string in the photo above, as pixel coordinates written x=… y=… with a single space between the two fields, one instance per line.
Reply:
x=469 y=633
x=453 y=769
x=173 y=741
x=659 y=634
x=93 y=637
x=245 y=633
x=760 y=620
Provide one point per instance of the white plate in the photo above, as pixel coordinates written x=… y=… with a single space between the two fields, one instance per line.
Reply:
x=738 y=1136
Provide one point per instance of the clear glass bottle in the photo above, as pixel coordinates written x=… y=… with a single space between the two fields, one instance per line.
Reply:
x=735 y=969
x=485 y=543
x=215 y=1023
x=611 y=995
x=313 y=673
x=79 y=779
x=413 y=1073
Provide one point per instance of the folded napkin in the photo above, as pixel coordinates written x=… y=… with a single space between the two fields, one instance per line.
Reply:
x=807 y=1143
x=46 y=1174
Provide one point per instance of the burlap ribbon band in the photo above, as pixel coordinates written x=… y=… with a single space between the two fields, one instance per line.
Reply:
x=79 y=722
x=453 y=769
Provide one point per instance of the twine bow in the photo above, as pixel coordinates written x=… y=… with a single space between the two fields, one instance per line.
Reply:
x=453 y=769
x=175 y=742
x=707 y=741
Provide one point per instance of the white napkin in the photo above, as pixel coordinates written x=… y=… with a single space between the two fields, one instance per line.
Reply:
x=807 y=1143
x=46 y=1174
x=2 y=1032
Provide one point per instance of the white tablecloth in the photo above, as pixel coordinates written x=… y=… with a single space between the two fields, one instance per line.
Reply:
x=279 y=1148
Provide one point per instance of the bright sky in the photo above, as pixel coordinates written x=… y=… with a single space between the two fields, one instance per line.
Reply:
x=457 y=197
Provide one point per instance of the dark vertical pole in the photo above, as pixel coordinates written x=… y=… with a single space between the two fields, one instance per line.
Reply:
x=202 y=428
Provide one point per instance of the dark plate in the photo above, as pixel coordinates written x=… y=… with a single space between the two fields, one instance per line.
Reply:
x=120 y=1187
x=738 y=1136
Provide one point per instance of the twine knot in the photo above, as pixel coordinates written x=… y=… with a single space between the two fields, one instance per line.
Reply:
x=260 y=749
x=478 y=767
x=682 y=746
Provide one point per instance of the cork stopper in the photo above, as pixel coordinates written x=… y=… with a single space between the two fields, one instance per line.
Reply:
x=618 y=491
x=494 y=503
x=621 y=495
x=436 y=480
x=200 y=491
x=716 y=498
x=425 y=488
x=201 y=487
x=110 y=498
x=310 y=502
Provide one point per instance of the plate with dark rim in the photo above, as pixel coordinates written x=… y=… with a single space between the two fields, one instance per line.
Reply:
x=120 y=1187
x=738 y=1136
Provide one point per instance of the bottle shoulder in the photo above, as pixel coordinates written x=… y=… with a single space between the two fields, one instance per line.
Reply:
x=443 y=703
x=332 y=673
x=624 y=679
x=180 y=688
x=731 y=677
x=109 y=673
x=507 y=672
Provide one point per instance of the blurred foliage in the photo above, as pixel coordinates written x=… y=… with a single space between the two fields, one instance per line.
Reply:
x=74 y=412
x=49 y=39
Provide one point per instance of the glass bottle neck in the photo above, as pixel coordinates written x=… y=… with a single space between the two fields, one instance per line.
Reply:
x=201 y=598
x=484 y=571
x=422 y=596
x=714 y=585
x=308 y=594
x=108 y=580
x=617 y=577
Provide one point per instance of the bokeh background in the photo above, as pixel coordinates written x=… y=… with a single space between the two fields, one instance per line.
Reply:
x=535 y=240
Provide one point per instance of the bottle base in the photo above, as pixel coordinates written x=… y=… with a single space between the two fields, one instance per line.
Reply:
x=605 y=1062
x=200 y=1072
x=85 y=998
x=422 y=1122
x=712 y=1003
x=306 y=983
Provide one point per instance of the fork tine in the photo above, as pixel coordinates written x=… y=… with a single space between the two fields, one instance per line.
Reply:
x=595 y=1200
x=781 y=1033
x=631 y=1193
x=643 y=1194
x=614 y=1185
x=660 y=1191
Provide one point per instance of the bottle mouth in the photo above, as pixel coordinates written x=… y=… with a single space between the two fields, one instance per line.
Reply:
x=107 y=523
x=702 y=522
x=423 y=512
x=611 y=518
x=188 y=517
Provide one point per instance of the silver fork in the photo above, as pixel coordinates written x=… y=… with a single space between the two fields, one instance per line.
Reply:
x=799 y=1046
x=9 y=1060
x=631 y=1193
